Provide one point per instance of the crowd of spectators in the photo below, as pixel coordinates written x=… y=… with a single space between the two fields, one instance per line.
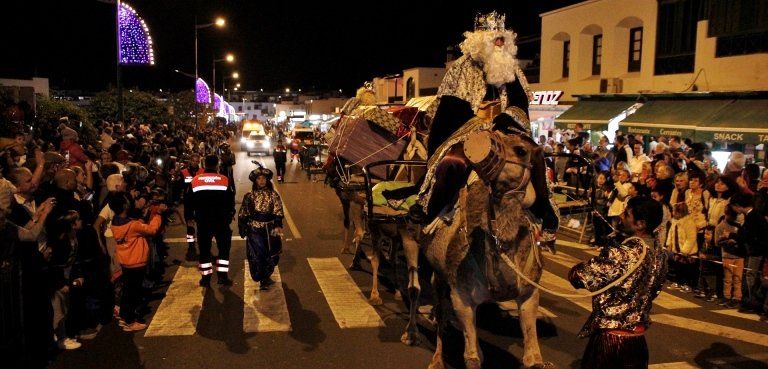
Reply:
x=713 y=219
x=84 y=223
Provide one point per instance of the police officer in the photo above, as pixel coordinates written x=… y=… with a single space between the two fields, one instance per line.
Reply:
x=187 y=174
x=213 y=207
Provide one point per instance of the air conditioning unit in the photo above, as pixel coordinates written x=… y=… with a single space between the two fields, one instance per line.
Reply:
x=611 y=85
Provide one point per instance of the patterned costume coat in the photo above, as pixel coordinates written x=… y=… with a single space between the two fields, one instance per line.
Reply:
x=261 y=208
x=628 y=304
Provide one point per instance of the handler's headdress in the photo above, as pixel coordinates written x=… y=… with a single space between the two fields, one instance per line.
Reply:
x=492 y=21
x=258 y=172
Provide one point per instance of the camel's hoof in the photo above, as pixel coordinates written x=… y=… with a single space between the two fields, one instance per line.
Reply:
x=411 y=338
x=375 y=301
x=436 y=365
x=544 y=365
x=398 y=295
x=472 y=363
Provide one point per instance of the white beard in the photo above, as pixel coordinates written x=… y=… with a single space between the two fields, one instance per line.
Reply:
x=499 y=66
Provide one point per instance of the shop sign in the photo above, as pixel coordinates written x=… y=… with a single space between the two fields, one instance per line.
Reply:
x=546 y=97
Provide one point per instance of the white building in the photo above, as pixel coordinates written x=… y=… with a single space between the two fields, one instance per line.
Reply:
x=422 y=81
x=38 y=85
x=648 y=48
x=254 y=110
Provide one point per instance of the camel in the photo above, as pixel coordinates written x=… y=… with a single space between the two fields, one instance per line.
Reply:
x=353 y=203
x=489 y=218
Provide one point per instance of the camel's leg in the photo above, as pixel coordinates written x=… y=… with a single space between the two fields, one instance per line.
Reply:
x=527 y=310
x=465 y=309
x=349 y=230
x=358 y=231
x=373 y=256
x=411 y=249
x=442 y=304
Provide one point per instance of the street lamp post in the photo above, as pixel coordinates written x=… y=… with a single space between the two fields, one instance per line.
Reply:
x=235 y=75
x=229 y=59
x=219 y=22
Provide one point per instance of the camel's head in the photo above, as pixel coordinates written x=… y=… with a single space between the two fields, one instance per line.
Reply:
x=504 y=162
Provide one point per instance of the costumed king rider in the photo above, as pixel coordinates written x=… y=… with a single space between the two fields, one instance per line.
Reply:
x=621 y=314
x=488 y=71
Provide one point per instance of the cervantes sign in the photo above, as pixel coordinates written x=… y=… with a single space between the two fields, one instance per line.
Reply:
x=546 y=97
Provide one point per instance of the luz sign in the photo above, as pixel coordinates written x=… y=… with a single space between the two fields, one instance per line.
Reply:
x=546 y=97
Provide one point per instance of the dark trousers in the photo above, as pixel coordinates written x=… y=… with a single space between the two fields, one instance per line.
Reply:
x=611 y=351
x=206 y=231
x=263 y=253
x=685 y=272
x=131 y=300
x=602 y=229
x=280 y=166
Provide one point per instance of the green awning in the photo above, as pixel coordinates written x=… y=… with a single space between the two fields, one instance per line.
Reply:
x=671 y=117
x=744 y=121
x=593 y=114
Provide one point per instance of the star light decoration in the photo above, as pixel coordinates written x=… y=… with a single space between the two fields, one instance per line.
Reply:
x=202 y=92
x=135 y=42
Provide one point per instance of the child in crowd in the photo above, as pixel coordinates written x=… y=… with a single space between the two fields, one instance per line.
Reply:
x=132 y=252
x=681 y=243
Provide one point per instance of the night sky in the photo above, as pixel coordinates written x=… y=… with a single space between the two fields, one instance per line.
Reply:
x=278 y=44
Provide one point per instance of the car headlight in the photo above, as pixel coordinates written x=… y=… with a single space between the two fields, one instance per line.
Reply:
x=243 y=139
x=265 y=144
x=250 y=144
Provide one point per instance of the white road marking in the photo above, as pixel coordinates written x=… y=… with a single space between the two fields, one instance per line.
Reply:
x=179 y=311
x=184 y=240
x=349 y=306
x=737 y=314
x=677 y=365
x=712 y=328
x=558 y=284
x=580 y=246
x=265 y=310
x=665 y=300
x=511 y=307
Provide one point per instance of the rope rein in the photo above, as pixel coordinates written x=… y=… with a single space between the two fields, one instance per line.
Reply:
x=516 y=269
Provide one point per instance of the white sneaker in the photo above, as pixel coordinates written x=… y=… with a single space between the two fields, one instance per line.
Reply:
x=69 y=344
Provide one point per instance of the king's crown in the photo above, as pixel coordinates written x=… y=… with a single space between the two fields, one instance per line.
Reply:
x=492 y=21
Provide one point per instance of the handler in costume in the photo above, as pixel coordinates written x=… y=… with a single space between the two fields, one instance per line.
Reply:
x=260 y=221
x=488 y=71
x=621 y=314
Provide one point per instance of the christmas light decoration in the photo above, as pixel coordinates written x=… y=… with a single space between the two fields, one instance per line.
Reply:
x=135 y=43
x=202 y=92
x=217 y=102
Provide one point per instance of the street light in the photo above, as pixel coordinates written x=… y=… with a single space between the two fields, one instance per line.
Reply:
x=235 y=75
x=219 y=22
x=229 y=59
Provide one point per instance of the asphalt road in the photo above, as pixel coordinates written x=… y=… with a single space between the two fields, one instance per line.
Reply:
x=195 y=328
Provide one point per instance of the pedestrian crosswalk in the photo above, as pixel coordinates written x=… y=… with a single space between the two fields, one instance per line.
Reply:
x=348 y=304
x=265 y=310
x=268 y=311
x=179 y=311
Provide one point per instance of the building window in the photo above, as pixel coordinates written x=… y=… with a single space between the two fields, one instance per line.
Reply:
x=676 y=35
x=240 y=108
x=566 y=58
x=635 y=49
x=410 y=89
x=597 y=54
